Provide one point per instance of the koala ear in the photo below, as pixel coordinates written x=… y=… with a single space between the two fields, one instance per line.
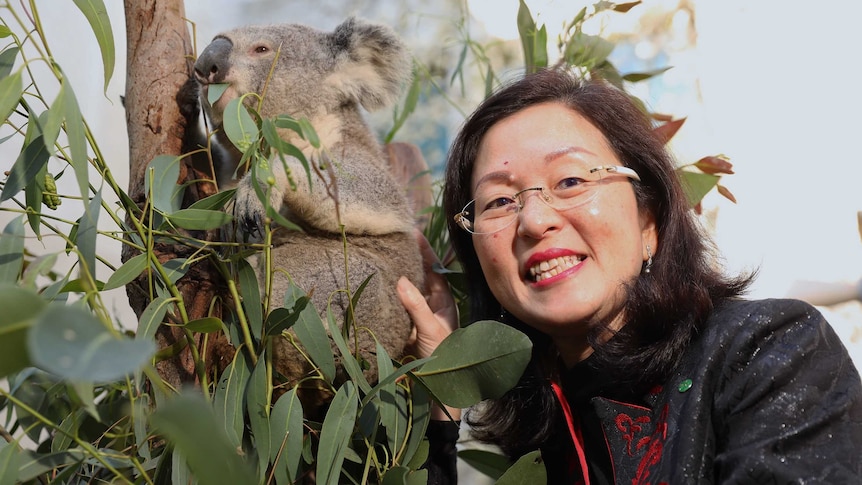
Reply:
x=372 y=64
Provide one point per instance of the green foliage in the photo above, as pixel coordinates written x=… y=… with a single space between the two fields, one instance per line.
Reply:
x=83 y=399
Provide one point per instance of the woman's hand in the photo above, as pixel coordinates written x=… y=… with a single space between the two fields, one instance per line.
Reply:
x=434 y=317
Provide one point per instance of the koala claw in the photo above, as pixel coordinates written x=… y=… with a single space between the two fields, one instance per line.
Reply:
x=250 y=212
x=250 y=226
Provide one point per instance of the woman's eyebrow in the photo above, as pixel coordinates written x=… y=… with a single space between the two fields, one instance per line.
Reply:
x=550 y=157
x=498 y=176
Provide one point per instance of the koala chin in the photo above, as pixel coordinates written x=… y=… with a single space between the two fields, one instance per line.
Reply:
x=326 y=77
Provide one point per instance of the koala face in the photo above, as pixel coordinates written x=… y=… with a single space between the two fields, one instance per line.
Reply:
x=301 y=71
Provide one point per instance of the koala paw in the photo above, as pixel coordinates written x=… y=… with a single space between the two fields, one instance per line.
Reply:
x=188 y=100
x=249 y=211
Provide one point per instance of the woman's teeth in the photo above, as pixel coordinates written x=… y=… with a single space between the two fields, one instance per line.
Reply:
x=553 y=267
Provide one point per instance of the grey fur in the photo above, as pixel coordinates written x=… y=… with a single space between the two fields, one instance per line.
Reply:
x=325 y=77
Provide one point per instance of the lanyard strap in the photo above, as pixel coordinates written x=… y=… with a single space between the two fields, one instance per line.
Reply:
x=574 y=431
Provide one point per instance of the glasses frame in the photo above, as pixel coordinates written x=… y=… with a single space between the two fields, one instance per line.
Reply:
x=463 y=221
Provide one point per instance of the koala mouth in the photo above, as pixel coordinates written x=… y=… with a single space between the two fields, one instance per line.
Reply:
x=217 y=95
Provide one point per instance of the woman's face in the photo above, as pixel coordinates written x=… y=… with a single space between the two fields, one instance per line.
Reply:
x=584 y=255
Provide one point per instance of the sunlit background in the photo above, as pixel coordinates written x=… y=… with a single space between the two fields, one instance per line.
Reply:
x=771 y=84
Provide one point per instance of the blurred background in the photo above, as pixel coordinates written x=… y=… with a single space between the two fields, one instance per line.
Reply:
x=769 y=84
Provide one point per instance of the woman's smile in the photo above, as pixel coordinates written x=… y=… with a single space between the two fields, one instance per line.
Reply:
x=544 y=271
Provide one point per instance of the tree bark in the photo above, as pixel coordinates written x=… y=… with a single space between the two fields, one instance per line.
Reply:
x=159 y=62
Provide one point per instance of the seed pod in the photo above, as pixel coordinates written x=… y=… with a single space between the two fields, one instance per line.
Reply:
x=49 y=195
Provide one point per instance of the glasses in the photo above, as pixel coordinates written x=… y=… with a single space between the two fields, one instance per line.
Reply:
x=492 y=211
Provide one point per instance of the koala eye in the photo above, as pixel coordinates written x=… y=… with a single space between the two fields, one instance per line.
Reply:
x=261 y=49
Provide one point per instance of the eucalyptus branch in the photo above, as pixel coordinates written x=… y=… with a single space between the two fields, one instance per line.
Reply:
x=96 y=454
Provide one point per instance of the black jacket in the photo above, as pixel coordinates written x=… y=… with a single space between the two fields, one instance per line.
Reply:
x=766 y=394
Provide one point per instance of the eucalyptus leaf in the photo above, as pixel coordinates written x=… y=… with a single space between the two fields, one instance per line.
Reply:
x=488 y=463
x=85 y=394
x=77 y=137
x=214 y=92
x=270 y=133
x=394 y=421
x=420 y=416
x=634 y=77
x=12 y=250
x=417 y=477
x=205 y=325
x=30 y=162
x=214 y=202
x=239 y=126
x=32 y=464
x=189 y=423
x=257 y=398
x=72 y=344
x=348 y=360
x=152 y=316
x=286 y=437
x=421 y=455
x=68 y=428
x=396 y=475
x=180 y=472
x=308 y=132
x=21 y=307
x=97 y=16
x=198 y=219
x=56 y=114
x=7 y=60
x=540 y=49
x=251 y=302
x=482 y=361
x=410 y=102
x=587 y=50
x=530 y=468
x=335 y=434
x=9 y=458
x=127 y=273
x=310 y=331
x=11 y=89
x=41 y=266
x=161 y=178
x=697 y=185
x=527 y=32
x=85 y=239
x=229 y=398
x=281 y=319
x=175 y=269
x=34 y=193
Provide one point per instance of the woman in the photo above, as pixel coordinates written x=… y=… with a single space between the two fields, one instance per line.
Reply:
x=647 y=367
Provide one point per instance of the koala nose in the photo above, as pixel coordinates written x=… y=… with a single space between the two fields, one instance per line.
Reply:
x=213 y=63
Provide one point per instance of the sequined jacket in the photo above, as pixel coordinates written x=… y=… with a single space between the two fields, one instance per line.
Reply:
x=766 y=393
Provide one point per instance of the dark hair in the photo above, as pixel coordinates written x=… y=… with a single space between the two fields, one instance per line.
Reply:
x=664 y=308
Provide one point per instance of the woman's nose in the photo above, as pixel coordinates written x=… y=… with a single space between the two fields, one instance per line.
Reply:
x=536 y=216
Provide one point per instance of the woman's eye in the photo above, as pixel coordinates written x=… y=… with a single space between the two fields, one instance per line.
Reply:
x=499 y=203
x=570 y=182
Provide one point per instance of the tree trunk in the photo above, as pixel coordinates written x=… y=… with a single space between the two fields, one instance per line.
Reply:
x=159 y=62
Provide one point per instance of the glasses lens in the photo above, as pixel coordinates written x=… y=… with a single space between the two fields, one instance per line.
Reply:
x=488 y=214
x=495 y=208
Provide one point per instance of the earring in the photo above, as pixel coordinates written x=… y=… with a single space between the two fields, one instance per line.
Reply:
x=502 y=314
x=649 y=259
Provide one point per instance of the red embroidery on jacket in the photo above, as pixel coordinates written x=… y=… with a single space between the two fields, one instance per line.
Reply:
x=630 y=428
x=653 y=453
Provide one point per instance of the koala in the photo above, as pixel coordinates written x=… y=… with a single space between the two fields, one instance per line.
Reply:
x=326 y=77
